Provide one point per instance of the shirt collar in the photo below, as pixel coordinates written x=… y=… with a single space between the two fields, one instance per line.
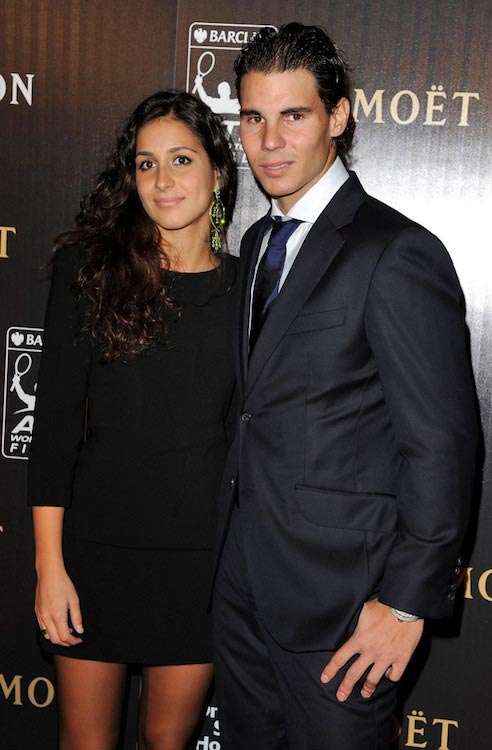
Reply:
x=312 y=203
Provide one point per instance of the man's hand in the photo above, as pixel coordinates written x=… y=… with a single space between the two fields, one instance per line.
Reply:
x=379 y=640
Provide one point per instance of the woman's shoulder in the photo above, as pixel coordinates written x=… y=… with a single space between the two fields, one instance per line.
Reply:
x=231 y=262
x=69 y=256
x=67 y=261
x=230 y=270
x=230 y=258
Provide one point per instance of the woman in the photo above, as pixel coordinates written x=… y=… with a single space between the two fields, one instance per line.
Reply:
x=134 y=389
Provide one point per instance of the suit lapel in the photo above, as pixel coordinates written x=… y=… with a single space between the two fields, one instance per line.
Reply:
x=318 y=251
x=251 y=251
x=316 y=254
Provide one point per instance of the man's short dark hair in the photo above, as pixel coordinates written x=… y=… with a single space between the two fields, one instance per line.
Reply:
x=298 y=47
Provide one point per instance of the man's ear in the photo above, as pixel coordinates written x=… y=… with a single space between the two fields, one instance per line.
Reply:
x=340 y=115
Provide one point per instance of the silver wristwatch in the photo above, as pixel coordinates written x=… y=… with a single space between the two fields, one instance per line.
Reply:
x=403 y=616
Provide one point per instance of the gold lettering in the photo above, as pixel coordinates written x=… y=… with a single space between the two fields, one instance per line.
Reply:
x=50 y=692
x=4 y=231
x=465 y=578
x=15 y=686
x=375 y=103
x=395 y=103
x=435 y=93
x=413 y=718
x=482 y=585
x=445 y=724
x=465 y=104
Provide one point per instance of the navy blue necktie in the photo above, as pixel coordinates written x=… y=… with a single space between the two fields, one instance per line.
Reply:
x=268 y=274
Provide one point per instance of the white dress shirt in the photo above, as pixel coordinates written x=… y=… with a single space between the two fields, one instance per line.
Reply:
x=307 y=210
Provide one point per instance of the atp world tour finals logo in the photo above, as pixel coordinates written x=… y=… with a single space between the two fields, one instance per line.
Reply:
x=212 y=49
x=22 y=354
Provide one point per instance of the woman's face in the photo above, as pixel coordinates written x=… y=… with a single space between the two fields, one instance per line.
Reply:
x=174 y=177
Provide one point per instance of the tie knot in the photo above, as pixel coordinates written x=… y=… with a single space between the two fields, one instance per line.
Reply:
x=282 y=230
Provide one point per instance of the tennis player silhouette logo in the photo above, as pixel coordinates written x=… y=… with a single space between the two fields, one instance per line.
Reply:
x=22 y=358
x=223 y=103
x=22 y=366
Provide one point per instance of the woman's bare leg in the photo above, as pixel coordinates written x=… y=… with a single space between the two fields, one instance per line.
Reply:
x=89 y=698
x=171 y=704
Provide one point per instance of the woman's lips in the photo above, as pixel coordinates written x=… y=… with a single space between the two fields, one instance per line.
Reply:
x=168 y=202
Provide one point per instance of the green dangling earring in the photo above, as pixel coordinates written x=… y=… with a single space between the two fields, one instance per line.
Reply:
x=217 y=221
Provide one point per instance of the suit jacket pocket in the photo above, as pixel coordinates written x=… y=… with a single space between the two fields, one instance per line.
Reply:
x=347 y=510
x=317 y=321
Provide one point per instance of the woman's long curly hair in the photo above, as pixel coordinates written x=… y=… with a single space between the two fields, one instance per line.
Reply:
x=123 y=282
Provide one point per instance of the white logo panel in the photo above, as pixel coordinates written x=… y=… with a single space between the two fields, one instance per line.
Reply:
x=212 y=49
x=22 y=354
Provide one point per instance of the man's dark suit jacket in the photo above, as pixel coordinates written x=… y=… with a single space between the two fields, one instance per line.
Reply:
x=354 y=454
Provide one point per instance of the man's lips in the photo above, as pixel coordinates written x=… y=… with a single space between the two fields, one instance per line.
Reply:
x=275 y=168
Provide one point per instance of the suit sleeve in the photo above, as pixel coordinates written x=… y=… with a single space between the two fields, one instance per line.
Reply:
x=61 y=390
x=415 y=324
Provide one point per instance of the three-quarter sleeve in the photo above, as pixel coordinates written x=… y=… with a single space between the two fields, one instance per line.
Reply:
x=61 y=390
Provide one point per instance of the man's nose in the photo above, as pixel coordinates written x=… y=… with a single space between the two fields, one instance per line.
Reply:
x=272 y=136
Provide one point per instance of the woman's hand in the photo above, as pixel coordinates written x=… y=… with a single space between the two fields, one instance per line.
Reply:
x=56 y=599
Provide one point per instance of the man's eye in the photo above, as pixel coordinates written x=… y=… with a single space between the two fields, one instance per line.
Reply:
x=296 y=116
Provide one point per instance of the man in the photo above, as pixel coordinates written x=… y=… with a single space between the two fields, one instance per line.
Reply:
x=347 y=486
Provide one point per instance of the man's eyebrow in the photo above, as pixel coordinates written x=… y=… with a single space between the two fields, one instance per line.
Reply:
x=249 y=112
x=288 y=111
x=295 y=110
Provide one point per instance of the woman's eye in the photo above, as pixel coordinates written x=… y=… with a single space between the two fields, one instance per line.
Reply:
x=145 y=165
x=181 y=160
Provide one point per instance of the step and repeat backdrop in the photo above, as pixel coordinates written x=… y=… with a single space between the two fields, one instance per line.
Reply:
x=70 y=71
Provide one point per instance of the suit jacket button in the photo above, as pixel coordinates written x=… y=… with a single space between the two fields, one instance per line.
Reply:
x=452 y=595
x=246 y=416
x=233 y=482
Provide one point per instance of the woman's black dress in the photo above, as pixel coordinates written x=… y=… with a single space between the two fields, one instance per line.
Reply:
x=134 y=450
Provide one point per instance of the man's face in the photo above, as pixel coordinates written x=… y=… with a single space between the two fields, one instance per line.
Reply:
x=287 y=133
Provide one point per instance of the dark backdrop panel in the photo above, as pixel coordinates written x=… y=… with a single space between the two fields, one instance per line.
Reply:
x=91 y=63
x=422 y=77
